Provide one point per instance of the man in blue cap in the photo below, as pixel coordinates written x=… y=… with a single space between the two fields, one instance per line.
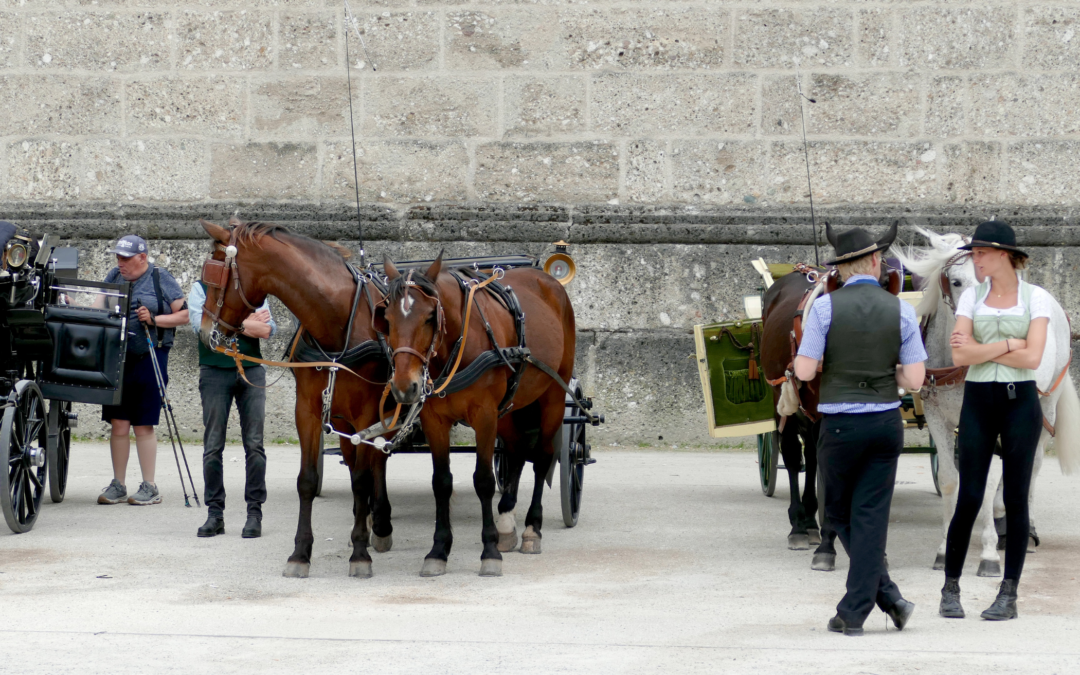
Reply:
x=158 y=302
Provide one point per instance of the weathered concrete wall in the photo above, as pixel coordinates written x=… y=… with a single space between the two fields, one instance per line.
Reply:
x=663 y=142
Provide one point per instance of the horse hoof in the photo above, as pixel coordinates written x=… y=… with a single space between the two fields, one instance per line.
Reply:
x=1032 y=543
x=939 y=561
x=989 y=568
x=507 y=541
x=824 y=562
x=530 y=540
x=798 y=542
x=491 y=567
x=433 y=567
x=814 y=536
x=382 y=544
x=296 y=570
x=361 y=569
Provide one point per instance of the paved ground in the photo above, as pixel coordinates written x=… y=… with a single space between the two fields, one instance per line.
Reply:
x=678 y=565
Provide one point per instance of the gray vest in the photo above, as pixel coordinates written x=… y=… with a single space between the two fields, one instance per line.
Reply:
x=862 y=347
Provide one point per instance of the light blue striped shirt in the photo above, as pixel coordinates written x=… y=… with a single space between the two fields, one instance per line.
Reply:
x=816 y=327
x=197 y=298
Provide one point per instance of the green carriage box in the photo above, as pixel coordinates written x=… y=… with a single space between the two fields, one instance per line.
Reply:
x=738 y=400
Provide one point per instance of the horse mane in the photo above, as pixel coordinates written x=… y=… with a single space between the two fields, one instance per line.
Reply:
x=928 y=263
x=251 y=234
x=396 y=288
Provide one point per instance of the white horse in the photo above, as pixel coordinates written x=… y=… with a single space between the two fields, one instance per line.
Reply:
x=1061 y=407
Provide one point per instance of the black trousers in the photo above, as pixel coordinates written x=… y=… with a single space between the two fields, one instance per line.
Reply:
x=988 y=413
x=858 y=453
x=219 y=387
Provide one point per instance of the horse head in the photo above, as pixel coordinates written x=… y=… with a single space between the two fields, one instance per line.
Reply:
x=946 y=270
x=412 y=316
x=230 y=276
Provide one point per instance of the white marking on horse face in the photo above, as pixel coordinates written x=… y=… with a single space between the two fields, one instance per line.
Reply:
x=406 y=304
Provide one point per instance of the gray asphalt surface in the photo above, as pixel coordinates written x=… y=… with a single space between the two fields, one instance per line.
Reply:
x=678 y=565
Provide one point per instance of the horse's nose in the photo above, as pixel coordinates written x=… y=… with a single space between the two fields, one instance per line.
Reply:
x=406 y=396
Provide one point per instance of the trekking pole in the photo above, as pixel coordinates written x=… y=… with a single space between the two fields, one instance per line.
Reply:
x=170 y=422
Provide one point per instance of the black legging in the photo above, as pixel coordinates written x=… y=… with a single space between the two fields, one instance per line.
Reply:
x=987 y=413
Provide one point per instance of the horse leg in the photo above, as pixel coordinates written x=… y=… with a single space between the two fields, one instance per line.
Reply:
x=948 y=478
x=825 y=555
x=989 y=561
x=809 y=499
x=307 y=426
x=1040 y=452
x=442 y=484
x=507 y=521
x=381 y=527
x=552 y=410
x=362 y=484
x=484 y=484
x=791 y=450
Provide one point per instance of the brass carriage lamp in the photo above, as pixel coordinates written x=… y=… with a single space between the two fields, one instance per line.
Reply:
x=560 y=265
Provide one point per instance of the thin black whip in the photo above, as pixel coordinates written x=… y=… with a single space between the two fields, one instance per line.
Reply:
x=352 y=129
x=806 y=156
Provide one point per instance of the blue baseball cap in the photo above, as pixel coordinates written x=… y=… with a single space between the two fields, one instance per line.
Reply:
x=130 y=246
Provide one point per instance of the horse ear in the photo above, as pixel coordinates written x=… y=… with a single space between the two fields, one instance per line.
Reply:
x=389 y=269
x=830 y=235
x=216 y=232
x=436 y=267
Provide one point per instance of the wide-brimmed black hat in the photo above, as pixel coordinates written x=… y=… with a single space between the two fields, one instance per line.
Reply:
x=994 y=234
x=857 y=243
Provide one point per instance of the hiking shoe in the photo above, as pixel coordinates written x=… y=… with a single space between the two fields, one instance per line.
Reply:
x=147 y=494
x=114 y=494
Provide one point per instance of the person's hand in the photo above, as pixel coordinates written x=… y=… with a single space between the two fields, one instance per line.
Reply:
x=1017 y=344
x=144 y=315
x=262 y=316
x=958 y=339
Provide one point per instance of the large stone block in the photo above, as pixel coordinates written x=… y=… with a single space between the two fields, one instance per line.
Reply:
x=264 y=171
x=972 y=172
x=855 y=172
x=1050 y=37
x=161 y=170
x=430 y=106
x=401 y=40
x=302 y=107
x=646 y=171
x=718 y=172
x=781 y=106
x=547 y=172
x=1043 y=172
x=233 y=40
x=46 y=170
x=781 y=38
x=11 y=28
x=213 y=106
x=36 y=105
x=543 y=105
x=957 y=38
x=871 y=104
x=645 y=38
x=98 y=41
x=945 y=110
x=308 y=41
x=1010 y=104
x=397 y=171
x=632 y=104
x=503 y=37
x=874 y=30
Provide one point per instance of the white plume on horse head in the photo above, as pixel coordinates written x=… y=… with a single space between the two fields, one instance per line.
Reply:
x=928 y=264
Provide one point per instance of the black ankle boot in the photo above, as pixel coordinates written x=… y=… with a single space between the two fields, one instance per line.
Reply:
x=1004 y=606
x=253 y=527
x=950 y=599
x=214 y=525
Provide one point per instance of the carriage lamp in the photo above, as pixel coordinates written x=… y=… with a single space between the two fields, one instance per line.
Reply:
x=17 y=252
x=560 y=265
x=752 y=306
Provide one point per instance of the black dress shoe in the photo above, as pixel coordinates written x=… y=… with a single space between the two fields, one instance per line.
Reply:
x=901 y=612
x=214 y=525
x=838 y=625
x=253 y=528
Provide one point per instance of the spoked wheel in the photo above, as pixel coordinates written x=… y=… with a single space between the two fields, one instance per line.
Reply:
x=22 y=441
x=58 y=449
x=768 y=454
x=574 y=455
x=934 y=465
x=502 y=467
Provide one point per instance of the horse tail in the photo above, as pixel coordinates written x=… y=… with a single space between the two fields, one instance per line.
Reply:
x=1067 y=436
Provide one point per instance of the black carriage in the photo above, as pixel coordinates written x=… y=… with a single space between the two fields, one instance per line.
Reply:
x=56 y=351
x=572 y=446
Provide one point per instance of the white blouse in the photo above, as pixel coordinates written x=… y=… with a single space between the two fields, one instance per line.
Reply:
x=1041 y=304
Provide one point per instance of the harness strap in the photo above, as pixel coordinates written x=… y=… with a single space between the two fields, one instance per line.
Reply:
x=236 y=356
x=464 y=329
x=550 y=372
x=1046 y=425
x=1057 y=383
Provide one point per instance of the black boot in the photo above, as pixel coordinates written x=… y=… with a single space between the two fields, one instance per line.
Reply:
x=253 y=527
x=213 y=525
x=1004 y=606
x=901 y=612
x=950 y=599
x=838 y=625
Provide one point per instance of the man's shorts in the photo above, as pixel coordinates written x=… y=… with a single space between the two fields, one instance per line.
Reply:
x=140 y=403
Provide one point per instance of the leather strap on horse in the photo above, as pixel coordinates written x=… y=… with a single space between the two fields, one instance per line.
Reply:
x=236 y=356
x=550 y=372
x=945 y=377
x=1057 y=383
x=464 y=330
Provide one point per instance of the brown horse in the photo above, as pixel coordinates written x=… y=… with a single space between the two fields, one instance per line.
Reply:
x=424 y=317
x=780 y=306
x=313 y=281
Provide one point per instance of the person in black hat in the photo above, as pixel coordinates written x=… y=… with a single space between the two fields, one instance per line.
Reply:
x=1000 y=333
x=859 y=334
x=157 y=301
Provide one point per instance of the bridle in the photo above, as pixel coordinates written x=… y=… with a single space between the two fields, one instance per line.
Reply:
x=440 y=327
x=217 y=274
x=956 y=260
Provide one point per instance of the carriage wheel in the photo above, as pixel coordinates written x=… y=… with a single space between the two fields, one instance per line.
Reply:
x=58 y=450
x=768 y=454
x=934 y=465
x=502 y=467
x=573 y=456
x=22 y=437
x=322 y=452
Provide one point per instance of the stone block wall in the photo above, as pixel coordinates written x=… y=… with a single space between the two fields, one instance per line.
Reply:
x=664 y=141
